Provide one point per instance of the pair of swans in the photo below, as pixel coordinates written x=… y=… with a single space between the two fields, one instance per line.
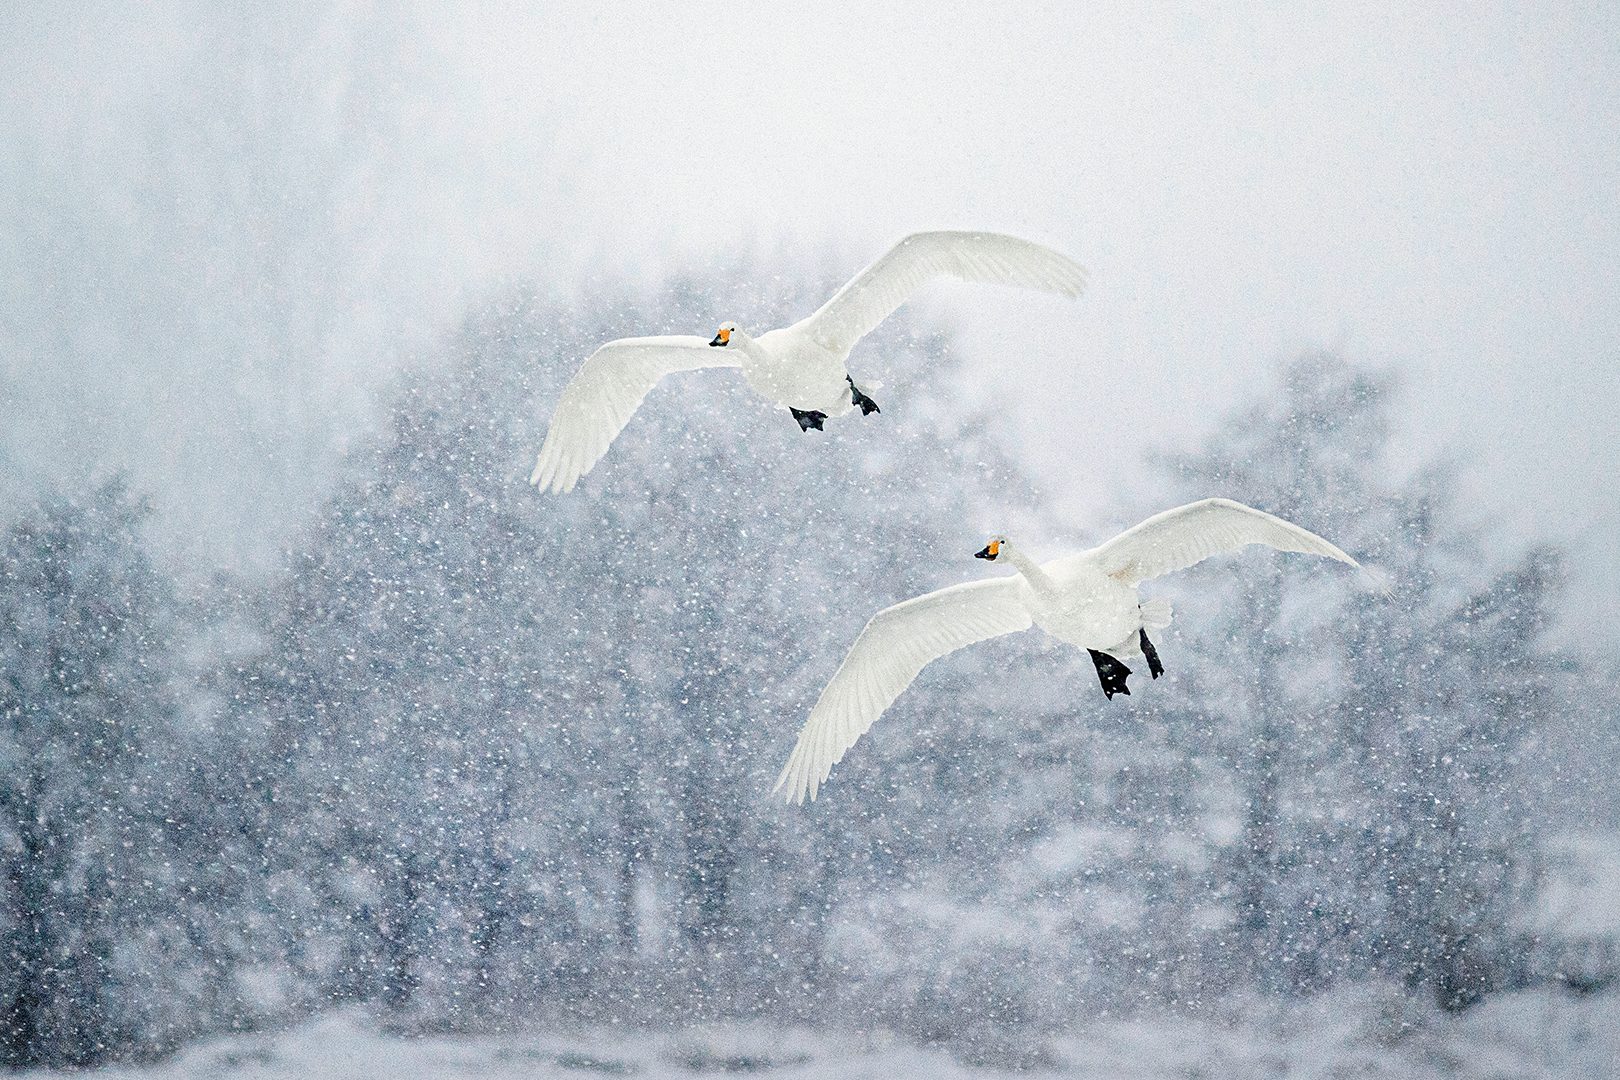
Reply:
x=1089 y=600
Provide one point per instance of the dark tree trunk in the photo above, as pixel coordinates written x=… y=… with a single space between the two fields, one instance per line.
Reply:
x=1460 y=975
x=1257 y=879
x=705 y=902
x=491 y=923
x=632 y=844
x=399 y=929
x=25 y=1038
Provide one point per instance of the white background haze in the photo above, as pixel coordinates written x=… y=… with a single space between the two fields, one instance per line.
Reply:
x=224 y=232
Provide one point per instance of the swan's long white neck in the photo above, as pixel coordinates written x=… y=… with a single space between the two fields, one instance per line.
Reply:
x=746 y=345
x=1028 y=567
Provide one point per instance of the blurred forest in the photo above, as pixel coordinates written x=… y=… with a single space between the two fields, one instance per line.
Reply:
x=477 y=756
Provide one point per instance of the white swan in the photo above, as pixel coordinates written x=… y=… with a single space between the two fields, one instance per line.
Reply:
x=1089 y=600
x=801 y=366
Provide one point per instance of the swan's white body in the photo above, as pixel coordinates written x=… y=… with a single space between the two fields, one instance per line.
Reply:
x=795 y=369
x=1089 y=600
x=803 y=366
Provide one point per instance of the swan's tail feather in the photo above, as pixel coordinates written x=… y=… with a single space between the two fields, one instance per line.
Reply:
x=1156 y=613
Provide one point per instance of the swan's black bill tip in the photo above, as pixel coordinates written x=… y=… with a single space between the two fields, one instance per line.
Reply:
x=718 y=341
x=985 y=554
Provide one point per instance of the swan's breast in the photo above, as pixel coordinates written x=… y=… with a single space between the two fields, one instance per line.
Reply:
x=1088 y=609
x=792 y=369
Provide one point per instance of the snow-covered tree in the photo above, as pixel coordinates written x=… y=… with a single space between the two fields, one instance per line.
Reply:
x=1372 y=741
x=520 y=744
x=99 y=958
x=501 y=752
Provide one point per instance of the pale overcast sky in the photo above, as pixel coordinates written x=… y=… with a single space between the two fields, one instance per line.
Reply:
x=224 y=231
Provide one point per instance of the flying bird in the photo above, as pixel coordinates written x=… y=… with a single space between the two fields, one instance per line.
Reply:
x=803 y=366
x=1089 y=600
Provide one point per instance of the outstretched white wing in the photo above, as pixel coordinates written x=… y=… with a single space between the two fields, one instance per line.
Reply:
x=600 y=399
x=897 y=644
x=873 y=294
x=1176 y=539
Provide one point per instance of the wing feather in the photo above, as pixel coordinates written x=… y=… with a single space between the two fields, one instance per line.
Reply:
x=895 y=646
x=873 y=294
x=1179 y=538
x=602 y=396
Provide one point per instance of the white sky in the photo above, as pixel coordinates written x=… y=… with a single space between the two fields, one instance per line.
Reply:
x=298 y=200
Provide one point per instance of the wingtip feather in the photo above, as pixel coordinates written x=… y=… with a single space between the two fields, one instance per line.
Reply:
x=790 y=782
x=1378 y=580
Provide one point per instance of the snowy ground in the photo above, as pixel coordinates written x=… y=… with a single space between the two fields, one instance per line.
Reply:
x=1366 y=1033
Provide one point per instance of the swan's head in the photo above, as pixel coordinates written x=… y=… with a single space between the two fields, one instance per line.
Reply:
x=722 y=337
x=992 y=550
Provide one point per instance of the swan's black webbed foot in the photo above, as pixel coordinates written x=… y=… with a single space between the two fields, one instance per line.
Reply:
x=1151 y=653
x=1111 y=672
x=808 y=420
x=867 y=405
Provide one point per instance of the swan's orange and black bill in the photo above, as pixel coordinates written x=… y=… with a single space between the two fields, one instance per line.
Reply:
x=991 y=550
x=721 y=338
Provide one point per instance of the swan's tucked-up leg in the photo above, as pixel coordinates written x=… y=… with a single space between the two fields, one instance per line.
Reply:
x=1111 y=672
x=1151 y=653
x=808 y=420
x=867 y=405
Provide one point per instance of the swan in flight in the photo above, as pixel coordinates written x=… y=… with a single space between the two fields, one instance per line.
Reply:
x=1088 y=600
x=800 y=366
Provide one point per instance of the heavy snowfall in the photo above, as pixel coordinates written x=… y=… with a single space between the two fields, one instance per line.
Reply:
x=329 y=747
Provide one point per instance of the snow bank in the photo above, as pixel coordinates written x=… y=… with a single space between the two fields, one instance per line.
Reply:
x=1367 y=1032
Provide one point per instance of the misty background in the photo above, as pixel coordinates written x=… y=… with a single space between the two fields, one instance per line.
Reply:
x=314 y=709
x=226 y=232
